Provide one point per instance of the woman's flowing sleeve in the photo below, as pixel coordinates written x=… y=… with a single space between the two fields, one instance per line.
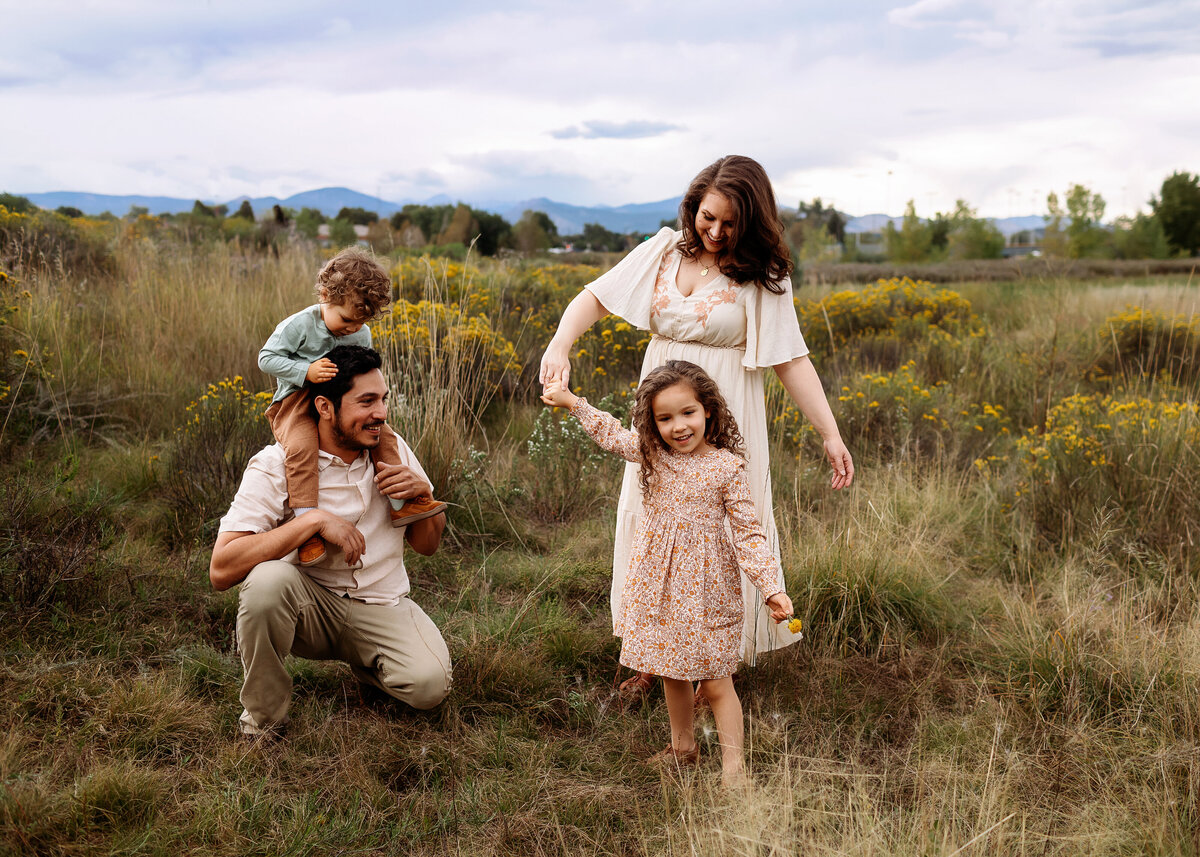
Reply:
x=627 y=290
x=772 y=330
x=607 y=431
x=754 y=556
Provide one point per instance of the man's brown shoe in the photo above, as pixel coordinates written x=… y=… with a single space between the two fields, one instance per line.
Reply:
x=312 y=551
x=416 y=509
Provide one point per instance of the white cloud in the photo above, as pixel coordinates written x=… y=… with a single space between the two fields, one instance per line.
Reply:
x=922 y=13
x=987 y=101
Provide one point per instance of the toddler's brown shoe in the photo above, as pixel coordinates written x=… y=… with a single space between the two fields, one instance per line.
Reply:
x=312 y=551
x=416 y=509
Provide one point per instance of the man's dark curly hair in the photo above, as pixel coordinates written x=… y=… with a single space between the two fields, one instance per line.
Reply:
x=351 y=361
x=720 y=428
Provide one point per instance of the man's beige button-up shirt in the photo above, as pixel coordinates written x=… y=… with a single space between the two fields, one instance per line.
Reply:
x=346 y=490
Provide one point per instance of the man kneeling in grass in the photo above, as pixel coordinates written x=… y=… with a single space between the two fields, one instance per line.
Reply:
x=353 y=606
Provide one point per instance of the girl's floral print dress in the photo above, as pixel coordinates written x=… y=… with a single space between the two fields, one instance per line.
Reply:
x=733 y=332
x=681 y=610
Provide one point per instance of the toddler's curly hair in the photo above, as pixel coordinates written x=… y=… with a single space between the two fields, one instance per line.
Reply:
x=355 y=278
x=720 y=428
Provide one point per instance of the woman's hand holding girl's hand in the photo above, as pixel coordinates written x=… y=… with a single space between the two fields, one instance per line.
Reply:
x=321 y=370
x=557 y=395
x=840 y=461
x=555 y=365
x=781 y=606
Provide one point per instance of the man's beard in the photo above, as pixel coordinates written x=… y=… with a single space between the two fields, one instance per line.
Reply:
x=346 y=440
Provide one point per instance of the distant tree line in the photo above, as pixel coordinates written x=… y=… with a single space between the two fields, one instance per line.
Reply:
x=1073 y=228
x=815 y=232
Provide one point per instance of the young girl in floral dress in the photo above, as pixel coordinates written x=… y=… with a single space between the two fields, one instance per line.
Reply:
x=681 y=610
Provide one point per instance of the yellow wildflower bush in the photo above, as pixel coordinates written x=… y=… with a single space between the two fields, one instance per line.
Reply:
x=1102 y=454
x=203 y=466
x=15 y=357
x=901 y=308
x=424 y=277
x=24 y=376
x=608 y=358
x=889 y=412
x=1139 y=343
x=43 y=240
x=432 y=341
x=531 y=298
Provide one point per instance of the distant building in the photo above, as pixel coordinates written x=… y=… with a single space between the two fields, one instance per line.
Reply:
x=360 y=233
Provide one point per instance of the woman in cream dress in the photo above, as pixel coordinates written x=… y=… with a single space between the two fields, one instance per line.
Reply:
x=718 y=294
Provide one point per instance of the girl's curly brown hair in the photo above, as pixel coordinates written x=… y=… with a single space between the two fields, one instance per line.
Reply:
x=756 y=252
x=355 y=278
x=720 y=428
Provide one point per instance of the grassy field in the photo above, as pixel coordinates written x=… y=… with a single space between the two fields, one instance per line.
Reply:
x=1002 y=646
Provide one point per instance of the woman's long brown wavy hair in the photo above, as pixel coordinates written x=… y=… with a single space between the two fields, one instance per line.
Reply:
x=757 y=252
x=720 y=428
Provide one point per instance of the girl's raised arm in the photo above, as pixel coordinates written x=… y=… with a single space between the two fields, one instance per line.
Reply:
x=607 y=431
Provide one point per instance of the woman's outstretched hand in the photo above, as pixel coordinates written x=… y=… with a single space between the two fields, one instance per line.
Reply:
x=841 y=462
x=557 y=395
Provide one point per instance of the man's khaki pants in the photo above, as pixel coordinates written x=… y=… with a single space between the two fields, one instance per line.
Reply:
x=281 y=610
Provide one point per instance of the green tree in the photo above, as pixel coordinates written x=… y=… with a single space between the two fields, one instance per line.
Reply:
x=430 y=219
x=494 y=232
x=597 y=237
x=461 y=229
x=535 y=231
x=245 y=211
x=816 y=215
x=816 y=231
x=940 y=226
x=199 y=209
x=308 y=222
x=19 y=204
x=1141 y=237
x=1054 y=240
x=341 y=233
x=357 y=216
x=1085 y=236
x=239 y=228
x=969 y=237
x=68 y=211
x=913 y=241
x=1177 y=208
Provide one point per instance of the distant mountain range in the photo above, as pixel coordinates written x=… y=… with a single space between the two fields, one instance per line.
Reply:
x=570 y=219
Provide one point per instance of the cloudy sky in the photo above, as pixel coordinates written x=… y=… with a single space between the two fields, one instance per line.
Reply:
x=864 y=104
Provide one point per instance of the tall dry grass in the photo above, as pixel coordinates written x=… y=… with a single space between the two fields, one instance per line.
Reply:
x=125 y=353
x=977 y=676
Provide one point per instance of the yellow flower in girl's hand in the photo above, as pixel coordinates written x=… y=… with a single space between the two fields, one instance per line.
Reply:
x=794 y=625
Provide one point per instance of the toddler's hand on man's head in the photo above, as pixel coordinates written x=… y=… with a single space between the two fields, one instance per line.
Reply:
x=320 y=371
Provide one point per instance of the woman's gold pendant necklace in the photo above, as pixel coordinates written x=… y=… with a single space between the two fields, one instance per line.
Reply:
x=704 y=269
